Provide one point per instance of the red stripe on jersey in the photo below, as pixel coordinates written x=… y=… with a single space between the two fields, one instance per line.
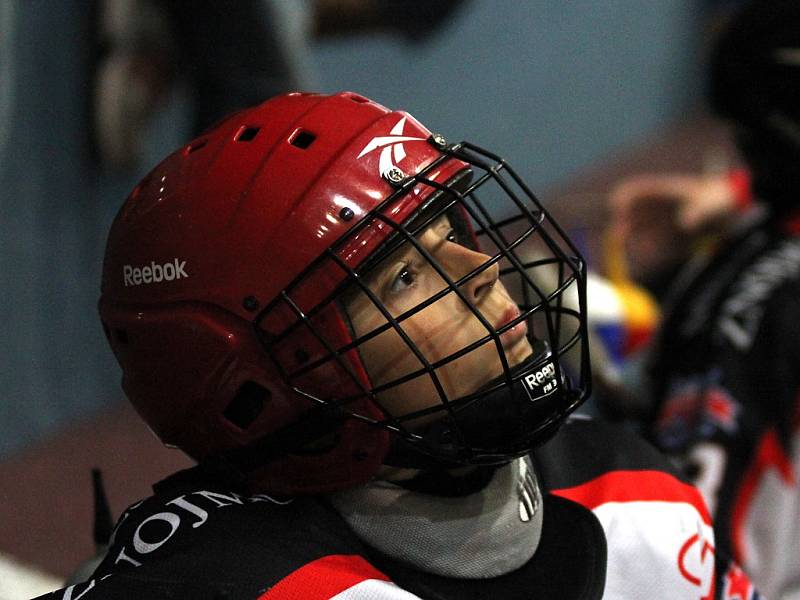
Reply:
x=323 y=578
x=770 y=454
x=635 y=486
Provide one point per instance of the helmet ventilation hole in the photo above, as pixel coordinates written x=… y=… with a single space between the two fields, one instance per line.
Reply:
x=247 y=134
x=246 y=405
x=357 y=98
x=302 y=139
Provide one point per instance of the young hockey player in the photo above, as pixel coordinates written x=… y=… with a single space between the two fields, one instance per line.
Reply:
x=360 y=333
x=725 y=367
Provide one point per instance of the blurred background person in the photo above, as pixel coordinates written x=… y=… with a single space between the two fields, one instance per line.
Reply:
x=721 y=251
x=227 y=56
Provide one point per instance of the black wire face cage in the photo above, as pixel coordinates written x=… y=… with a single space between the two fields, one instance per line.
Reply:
x=521 y=400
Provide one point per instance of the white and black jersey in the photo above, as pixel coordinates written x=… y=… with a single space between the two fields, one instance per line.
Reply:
x=616 y=524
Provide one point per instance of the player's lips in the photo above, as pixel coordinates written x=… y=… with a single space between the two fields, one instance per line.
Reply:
x=511 y=336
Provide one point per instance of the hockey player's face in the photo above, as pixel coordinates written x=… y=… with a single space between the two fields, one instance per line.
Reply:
x=406 y=279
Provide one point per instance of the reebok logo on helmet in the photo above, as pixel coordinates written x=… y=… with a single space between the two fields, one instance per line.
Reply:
x=390 y=145
x=154 y=273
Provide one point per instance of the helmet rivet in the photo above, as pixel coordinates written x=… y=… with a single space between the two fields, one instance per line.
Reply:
x=250 y=303
x=438 y=140
x=394 y=175
x=361 y=455
x=301 y=356
x=346 y=213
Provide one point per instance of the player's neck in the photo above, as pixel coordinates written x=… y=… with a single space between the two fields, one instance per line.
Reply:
x=461 y=481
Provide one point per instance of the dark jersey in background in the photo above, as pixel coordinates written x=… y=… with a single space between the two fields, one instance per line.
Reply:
x=726 y=374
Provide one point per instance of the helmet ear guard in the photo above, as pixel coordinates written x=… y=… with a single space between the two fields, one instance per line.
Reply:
x=231 y=387
x=224 y=362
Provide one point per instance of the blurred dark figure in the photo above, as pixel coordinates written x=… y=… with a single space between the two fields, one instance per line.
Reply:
x=723 y=373
x=230 y=55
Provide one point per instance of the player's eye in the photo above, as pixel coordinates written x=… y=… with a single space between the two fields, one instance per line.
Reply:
x=404 y=279
x=451 y=236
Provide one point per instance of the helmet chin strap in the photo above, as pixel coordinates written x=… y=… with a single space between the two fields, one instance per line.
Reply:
x=501 y=424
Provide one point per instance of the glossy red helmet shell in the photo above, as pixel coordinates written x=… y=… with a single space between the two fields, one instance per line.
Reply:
x=216 y=232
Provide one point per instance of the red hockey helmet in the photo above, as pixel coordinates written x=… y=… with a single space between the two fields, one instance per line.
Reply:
x=224 y=275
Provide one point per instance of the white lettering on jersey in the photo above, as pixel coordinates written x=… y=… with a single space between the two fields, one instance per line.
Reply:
x=741 y=313
x=176 y=519
x=144 y=547
x=89 y=585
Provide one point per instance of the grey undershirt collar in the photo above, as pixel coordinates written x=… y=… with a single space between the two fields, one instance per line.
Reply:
x=486 y=534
